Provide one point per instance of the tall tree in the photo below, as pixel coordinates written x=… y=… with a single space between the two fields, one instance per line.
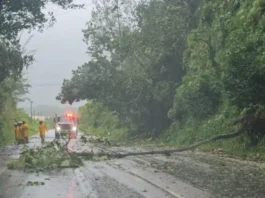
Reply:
x=136 y=60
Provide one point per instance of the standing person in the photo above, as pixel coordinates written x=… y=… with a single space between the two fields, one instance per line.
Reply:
x=18 y=135
x=15 y=131
x=42 y=129
x=25 y=128
x=19 y=132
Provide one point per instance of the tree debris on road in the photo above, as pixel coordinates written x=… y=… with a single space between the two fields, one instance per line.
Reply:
x=55 y=155
x=35 y=183
x=95 y=140
x=50 y=156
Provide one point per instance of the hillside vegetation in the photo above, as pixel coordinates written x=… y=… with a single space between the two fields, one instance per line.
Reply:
x=9 y=114
x=180 y=70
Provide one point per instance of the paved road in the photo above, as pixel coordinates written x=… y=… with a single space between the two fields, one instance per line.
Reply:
x=184 y=175
x=123 y=178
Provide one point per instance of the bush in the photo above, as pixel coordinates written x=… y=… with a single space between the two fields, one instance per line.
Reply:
x=197 y=98
x=220 y=123
x=7 y=118
x=97 y=119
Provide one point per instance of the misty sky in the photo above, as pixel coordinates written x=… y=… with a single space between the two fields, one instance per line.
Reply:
x=59 y=50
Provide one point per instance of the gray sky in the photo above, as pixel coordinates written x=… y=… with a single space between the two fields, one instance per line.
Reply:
x=59 y=50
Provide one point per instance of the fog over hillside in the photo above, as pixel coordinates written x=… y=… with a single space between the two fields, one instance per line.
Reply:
x=50 y=110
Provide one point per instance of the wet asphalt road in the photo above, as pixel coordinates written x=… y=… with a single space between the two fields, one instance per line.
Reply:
x=130 y=177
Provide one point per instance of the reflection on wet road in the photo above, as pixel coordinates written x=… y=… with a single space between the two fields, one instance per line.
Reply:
x=181 y=175
x=70 y=190
x=121 y=178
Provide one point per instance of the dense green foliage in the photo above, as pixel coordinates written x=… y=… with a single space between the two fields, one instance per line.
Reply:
x=16 y=16
x=50 y=156
x=11 y=92
x=187 y=67
x=97 y=119
x=136 y=66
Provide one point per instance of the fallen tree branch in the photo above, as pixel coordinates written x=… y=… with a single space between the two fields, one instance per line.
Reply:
x=167 y=152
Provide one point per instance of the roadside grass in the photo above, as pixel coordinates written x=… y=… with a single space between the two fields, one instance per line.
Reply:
x=99 y=121
x=116 y=135
x=221 y=123
x=8 y=117
x=49 y=123
x=110 y=133
x=121 y=137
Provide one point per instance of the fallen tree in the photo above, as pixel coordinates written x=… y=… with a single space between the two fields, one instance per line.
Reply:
x=56 y=154
x=250 y=123
x=165 y=152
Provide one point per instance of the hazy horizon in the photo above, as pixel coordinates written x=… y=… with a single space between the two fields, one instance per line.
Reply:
x=58 y=51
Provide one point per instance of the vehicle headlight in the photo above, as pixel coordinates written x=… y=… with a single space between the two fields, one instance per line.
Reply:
x=74 y=128
x=58 y=128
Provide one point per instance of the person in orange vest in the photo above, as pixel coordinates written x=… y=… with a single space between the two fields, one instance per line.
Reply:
x=15 y=131
x=42 y=130
x=25 y=128
x=19 y=133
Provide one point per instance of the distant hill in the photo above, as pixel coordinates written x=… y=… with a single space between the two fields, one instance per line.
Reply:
x=48 y=110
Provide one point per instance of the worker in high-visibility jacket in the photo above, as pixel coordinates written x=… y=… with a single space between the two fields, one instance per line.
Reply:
x=42 y=130
x=19 y=132
x=25 y=130
x=15 y=132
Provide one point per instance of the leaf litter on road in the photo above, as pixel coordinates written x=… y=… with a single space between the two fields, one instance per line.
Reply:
x=29 y=183
x=35 y=183
x=95 y=140
x=50 y=156
x=46 y=157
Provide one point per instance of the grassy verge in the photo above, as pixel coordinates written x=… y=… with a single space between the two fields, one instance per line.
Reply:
x=114 y=134
x=49 y=123
x=96 y=119
x=8 y=117
x=189 y=133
